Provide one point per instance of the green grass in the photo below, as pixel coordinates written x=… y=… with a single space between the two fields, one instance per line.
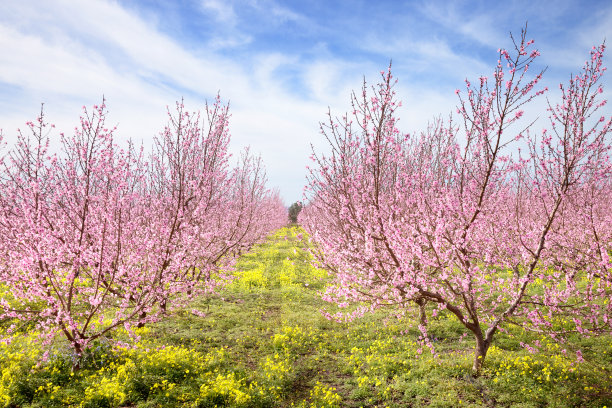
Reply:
x=265 y=343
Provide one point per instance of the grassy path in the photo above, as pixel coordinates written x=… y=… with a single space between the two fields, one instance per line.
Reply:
x=263 y=342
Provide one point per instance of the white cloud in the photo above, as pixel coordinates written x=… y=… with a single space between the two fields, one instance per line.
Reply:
x=433 y=58
x=69 y=53
x=283 y=14
x=223 y=11
x=140 y=70
x=478 y=27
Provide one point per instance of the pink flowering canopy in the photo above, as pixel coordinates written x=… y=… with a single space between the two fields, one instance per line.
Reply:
x=98 y=237
x=485 y=218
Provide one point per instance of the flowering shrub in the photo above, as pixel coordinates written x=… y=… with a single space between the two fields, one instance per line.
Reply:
x=323 y=396
x=224 y=390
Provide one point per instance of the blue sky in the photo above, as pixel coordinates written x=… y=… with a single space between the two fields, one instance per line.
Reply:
x=280 y=64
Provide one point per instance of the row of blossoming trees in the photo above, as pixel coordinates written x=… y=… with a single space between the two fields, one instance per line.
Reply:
x=96 y=236
x=486 y=219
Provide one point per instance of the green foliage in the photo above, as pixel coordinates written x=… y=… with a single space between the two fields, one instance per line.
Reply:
x=294 y=211
x=264 y=343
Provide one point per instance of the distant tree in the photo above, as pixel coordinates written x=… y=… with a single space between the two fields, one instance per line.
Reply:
x=294 y=211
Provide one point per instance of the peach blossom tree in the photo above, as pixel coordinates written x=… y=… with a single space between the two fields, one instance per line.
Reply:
x=485 y=219
x=96 y=236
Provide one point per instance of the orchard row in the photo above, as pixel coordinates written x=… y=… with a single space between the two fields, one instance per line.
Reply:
x=98 y=237
x=485 y=218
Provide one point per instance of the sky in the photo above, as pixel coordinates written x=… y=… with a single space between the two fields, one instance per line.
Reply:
x=281 y=65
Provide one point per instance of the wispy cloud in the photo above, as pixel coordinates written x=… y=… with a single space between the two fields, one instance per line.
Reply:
x=223 y=11
x=280 y=65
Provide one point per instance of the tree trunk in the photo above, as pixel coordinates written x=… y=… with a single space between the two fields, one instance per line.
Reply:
x=480 y=352
x=142 y=316
x=422 y=312
x=78 y=356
